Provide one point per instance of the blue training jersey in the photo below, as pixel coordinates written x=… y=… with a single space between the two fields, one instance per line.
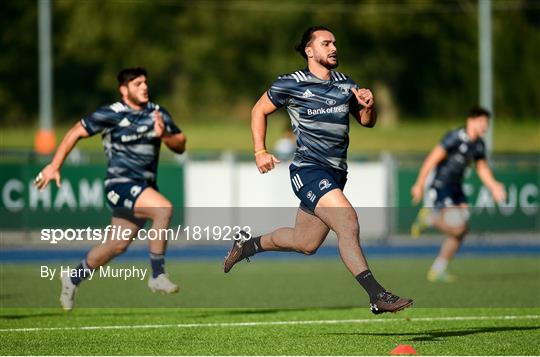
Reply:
x=319 y=111
x=460 y=152
x=129 y=140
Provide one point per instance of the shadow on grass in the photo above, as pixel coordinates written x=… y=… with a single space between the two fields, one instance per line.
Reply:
x=430 y=336
x=267 y=311
x=33 y=315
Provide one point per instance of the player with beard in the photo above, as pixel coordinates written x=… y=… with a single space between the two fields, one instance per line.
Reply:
x=132 y=131
x=319 y=101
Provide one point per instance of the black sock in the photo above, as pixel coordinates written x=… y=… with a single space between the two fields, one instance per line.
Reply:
x=253 y=246
x=370 y=285
x=257 y=244
x=157 y=262
x=83 y=272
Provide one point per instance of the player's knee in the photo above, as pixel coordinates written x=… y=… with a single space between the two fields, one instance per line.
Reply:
x=168 y=210
x=456 y=218
x=456 y=221
x=163 y=212
x=120 y=248
x=460 y=232
x=309 y=248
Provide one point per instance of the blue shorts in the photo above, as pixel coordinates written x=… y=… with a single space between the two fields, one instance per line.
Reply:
x=310 y=183
x=446 y=196
x=121 y=197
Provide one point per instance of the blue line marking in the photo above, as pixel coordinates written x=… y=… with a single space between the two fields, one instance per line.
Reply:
x=21 y=255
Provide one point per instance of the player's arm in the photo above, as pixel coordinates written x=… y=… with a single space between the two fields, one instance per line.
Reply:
x=259 y=114
x=52 y=171
x=364 y=111
x=486 y=176
x=436 y=155
x=176 y=140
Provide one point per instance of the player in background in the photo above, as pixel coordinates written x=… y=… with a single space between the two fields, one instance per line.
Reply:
x=445 y=206
x=132 y=130
x=319 y=101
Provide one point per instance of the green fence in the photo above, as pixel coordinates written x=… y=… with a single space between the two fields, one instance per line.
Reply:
x=78 y=203
x=520 y=213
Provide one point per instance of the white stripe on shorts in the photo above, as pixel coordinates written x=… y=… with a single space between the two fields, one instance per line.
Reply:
x=297 y=182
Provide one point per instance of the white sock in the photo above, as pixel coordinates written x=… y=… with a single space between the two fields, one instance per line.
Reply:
x=439 y=265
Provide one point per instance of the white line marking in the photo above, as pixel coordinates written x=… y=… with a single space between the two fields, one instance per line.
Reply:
x=275 y=323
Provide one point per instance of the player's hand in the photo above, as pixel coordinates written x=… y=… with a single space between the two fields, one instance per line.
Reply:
x=417 y=191
x=364 y=97
x=266 y=162
x=498 y=192
x=44 y=176
x=159 y=125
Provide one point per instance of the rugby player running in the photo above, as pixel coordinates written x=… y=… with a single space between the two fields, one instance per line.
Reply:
x=445 y=206
x=319 y=101
x=132 y=131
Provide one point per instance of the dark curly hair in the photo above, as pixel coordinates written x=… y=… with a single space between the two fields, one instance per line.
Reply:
x=306 y=39
x=128 y=74
x=478 y=111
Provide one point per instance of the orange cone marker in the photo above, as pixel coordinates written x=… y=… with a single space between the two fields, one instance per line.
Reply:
x=403 y=350
x=45 y=142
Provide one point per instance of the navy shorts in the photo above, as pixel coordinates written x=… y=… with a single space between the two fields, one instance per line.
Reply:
x=121 y=197
x=446 y=196
x=310 y=183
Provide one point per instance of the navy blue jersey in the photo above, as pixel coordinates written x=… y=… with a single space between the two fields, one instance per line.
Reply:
x=319 y=112
x=461 y=151
x=129 y=140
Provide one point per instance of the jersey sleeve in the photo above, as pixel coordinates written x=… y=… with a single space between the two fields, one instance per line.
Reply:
x=450 y=140
x=280 y=91
x=170 y=125
x=480 y=151
x=352 y=83
x=353 y=102
x=101 y=119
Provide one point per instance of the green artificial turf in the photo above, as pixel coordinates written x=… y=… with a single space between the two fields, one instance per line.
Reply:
x=277 y=307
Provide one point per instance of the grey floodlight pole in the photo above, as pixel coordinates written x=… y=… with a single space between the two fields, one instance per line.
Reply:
x=485 y=64
x=45 y=137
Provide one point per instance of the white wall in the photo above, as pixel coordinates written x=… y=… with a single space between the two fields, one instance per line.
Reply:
x=238 y=186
